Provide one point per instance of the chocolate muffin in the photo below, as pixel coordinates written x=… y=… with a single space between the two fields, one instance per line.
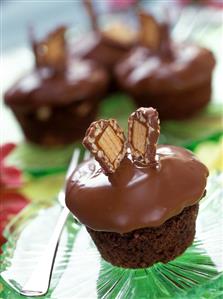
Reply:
x=105 y=46
x=58 y=99
x=173 y=78
x=139 y=202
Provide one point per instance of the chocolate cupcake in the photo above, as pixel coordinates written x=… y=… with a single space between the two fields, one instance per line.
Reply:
x=139 y=201
x=173 y=78
x=58 y=99
x=105 y=46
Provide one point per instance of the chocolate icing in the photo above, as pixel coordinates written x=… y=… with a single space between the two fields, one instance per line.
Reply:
x=145 y=71
x=136 y=197
x=41 y=86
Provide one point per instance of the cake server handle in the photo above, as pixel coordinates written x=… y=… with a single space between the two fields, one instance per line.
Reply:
x=38 y=283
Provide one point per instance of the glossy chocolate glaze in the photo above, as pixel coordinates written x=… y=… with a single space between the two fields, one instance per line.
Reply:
x=42 y=86
x=136 y=197
x=145 y=71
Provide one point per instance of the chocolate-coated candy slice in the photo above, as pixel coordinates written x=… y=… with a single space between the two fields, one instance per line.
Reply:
x=91 y=13
x=106 y=141
x=143 y=134
x=150 y=31
x=51 y=51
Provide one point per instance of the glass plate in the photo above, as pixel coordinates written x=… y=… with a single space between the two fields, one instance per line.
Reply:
x=79 y=271
x=38 y=161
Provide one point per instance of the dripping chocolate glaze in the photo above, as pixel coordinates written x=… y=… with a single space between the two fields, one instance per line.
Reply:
x=135 y=197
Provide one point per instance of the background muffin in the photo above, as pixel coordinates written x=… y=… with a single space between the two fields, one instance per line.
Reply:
x=106 y=46
x=56 y=101
x=173 y=78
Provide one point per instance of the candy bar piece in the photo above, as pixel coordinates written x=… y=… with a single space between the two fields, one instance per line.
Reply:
x=150 y=32
x=51 y=52
x=143 y=134
x=106 y=141
x=121 y=33
x=91 y=13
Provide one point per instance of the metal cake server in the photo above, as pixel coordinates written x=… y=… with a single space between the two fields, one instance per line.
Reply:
x=38 y=283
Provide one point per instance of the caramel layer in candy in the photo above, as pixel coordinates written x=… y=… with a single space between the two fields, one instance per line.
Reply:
x=143 y=134
x=106 y=141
